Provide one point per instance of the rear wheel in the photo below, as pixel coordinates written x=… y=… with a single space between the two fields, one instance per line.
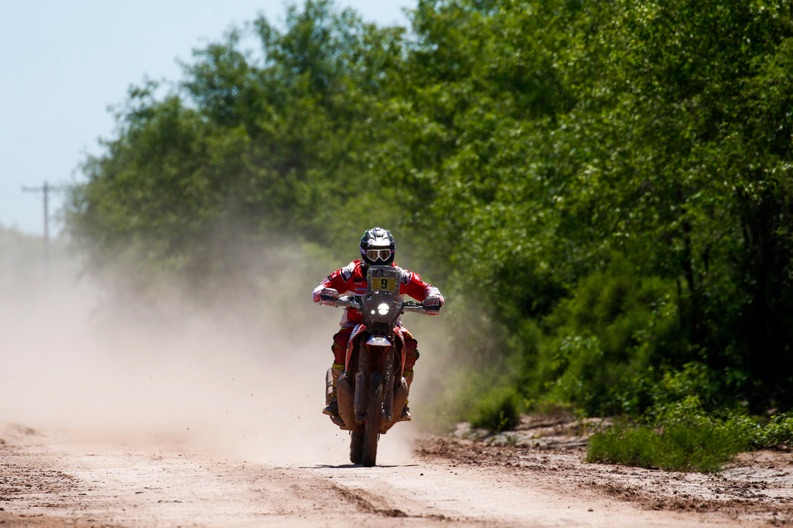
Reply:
x=373 y=418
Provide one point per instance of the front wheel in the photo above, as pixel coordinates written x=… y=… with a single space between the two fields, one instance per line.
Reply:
x=356 y=446
x=374 y=415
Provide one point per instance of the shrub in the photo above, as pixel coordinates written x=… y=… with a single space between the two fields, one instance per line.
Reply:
x=679 y=447
x=684 y=437
x=604 y=339
x=498 y=410
x=778 y=432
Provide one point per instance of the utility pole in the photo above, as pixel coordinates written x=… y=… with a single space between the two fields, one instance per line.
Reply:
x=45 y=189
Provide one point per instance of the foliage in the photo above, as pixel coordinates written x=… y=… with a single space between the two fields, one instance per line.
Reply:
x=675 y=448
x=497 y=410
x=777 y=433
x=614 y=324
x=682 y=436
x=611 y=180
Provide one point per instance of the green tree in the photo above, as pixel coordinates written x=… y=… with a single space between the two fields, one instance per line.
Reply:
x=602 y=189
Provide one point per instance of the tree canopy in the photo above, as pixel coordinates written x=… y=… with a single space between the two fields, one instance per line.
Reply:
x=614 y=178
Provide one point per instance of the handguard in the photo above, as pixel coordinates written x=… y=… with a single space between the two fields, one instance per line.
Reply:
x=432 y=305
x=328 y=297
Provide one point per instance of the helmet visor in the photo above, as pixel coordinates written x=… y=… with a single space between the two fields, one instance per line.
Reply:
x=378 y=254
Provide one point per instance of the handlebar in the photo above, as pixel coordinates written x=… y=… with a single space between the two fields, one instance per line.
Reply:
x=413 y=306
x=348 y=301
x=354 y=301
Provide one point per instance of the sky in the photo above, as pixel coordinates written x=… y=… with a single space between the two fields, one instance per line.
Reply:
x=64 y=64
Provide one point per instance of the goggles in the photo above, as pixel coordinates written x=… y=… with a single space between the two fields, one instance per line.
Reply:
x=378 y=254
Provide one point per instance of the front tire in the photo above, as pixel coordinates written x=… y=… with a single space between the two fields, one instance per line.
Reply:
x=356 y=446
x=374 y=414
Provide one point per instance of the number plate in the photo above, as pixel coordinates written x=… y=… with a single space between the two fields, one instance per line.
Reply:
x=383 y=279
x=383 y=284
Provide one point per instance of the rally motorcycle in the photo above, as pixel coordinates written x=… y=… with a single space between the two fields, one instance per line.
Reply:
x=371 y=392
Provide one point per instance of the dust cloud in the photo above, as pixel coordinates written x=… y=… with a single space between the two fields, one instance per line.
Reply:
x=80 y=362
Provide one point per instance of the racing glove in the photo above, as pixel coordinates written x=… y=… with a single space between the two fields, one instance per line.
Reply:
x=328 y=296
x=432 y=305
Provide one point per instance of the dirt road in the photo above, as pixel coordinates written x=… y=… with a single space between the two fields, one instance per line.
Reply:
x=50 y=478
x=138 y=418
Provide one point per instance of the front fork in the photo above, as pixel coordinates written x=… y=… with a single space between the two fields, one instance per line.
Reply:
x=372 y=359
x=360 y=401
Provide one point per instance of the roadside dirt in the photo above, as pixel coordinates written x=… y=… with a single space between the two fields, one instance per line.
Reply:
x=532 y=477
x=756 y=488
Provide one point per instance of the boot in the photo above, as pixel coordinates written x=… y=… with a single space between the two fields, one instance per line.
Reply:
x=406 y=416
x=332 y=407
x=331 y=402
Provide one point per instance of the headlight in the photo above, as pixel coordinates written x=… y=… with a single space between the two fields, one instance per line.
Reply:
x=383 y=309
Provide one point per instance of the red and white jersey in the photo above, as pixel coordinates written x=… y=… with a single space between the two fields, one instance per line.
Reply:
x=352 y=279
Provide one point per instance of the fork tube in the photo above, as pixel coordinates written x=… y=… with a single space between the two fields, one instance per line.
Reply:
x=361 y=383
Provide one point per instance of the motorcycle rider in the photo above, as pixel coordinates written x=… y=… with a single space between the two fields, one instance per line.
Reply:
x=378 y=247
